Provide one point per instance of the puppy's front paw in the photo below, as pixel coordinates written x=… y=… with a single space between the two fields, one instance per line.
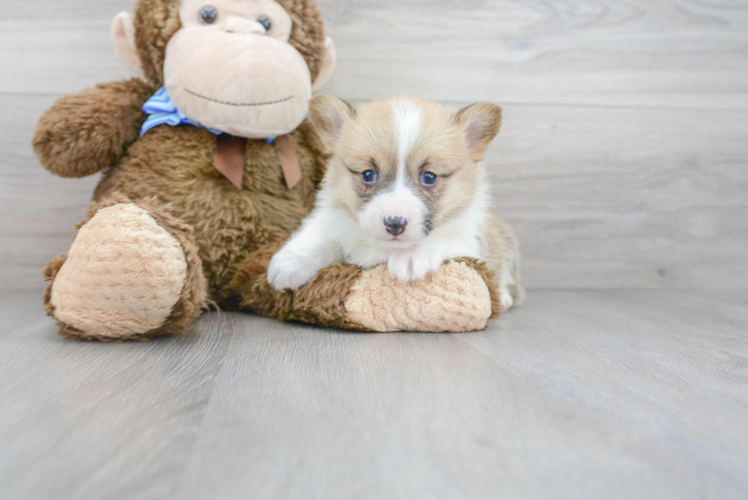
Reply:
x=413 y=264
x=506 y=300
x=290 y=271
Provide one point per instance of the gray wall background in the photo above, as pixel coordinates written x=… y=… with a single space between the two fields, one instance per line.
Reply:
x=623 y=161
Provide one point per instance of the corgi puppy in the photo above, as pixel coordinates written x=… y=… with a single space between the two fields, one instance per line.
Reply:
x=405 y=186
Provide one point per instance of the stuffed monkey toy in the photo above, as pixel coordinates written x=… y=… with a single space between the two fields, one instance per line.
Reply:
x=207 y=166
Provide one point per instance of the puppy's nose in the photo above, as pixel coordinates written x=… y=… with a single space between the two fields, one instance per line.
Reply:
x=395 y=225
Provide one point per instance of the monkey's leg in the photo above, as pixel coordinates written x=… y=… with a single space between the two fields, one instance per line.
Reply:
x=462 y=296
x=132 y=273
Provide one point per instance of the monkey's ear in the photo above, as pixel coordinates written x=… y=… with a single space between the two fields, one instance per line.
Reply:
x=123 y=36
x=329 y=116
x=328 y=65
x=481 y=123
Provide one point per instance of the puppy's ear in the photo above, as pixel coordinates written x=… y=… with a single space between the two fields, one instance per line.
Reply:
x=481 y=123
x=329 y=116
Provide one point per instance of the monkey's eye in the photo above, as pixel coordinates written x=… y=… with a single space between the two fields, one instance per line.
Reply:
x=265 y=22
x=208 y=14
x=429 y=179
x=369 y=177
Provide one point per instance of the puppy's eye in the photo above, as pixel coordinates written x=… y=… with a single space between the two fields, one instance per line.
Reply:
x=429 y=179
x=369 y=177
x=265 y=22
x=208 y=14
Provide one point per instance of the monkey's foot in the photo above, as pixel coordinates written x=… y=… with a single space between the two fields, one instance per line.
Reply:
x=456 y=298
x=131 y=274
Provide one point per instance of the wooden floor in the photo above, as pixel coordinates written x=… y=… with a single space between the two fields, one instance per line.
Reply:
x=578 y=395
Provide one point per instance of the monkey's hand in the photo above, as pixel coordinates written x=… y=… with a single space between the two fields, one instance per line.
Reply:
x=86 y=132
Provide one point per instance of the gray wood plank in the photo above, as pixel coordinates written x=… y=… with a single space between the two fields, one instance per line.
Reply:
x=38 y=211
x=666 y=370
x=69 y=10
x=617 y=394
x=601 y=197
x=18 y=309
x=57 y=56
x=646 y=53
x=89 y=420
x=625 y=198
x=578 y=395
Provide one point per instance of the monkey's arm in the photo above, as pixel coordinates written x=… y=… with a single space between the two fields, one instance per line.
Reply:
x=86 y=132
x=460 y=297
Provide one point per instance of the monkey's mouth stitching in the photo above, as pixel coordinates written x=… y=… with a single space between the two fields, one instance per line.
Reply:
x=238 y=104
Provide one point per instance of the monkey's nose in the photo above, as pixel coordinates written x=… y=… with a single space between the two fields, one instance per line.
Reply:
x=395 y=225
x=243 y=26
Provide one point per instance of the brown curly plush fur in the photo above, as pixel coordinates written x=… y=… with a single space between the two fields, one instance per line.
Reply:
x=175 y=165
x=87 y=132
x=320 y=302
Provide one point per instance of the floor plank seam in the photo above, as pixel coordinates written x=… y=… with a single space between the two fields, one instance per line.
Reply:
x=550 y=104
x=189 y=455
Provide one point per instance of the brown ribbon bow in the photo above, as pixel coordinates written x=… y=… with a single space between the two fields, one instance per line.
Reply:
x=231 y=154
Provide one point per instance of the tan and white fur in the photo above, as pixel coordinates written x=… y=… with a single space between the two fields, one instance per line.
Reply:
x=406 y=186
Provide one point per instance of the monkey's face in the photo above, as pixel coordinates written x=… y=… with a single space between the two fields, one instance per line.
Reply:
x=230 y=67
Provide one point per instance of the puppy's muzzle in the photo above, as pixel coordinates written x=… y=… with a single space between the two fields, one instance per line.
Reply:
x=395 y=225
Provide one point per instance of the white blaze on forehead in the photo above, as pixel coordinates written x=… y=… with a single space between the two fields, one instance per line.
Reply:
x=402 y=199
x=408 y=117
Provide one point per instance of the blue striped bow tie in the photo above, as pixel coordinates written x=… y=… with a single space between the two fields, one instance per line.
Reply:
x=161 y=110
